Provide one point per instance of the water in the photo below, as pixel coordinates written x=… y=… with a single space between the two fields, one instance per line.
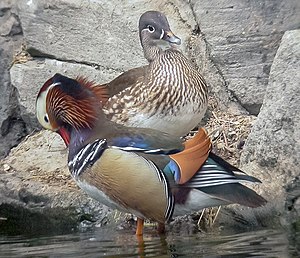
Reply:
x=105 y=242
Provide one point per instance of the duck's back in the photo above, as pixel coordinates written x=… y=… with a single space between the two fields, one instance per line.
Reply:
x=171 y=96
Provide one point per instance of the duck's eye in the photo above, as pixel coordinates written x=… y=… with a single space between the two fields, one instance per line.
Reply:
x=151 y=28
x=46 y=118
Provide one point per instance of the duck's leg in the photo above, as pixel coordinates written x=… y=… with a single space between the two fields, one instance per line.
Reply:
x=161 y=228
x=139 y=227
x=141 y=246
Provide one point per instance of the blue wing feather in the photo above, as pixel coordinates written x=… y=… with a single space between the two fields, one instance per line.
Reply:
x=133 y=141
x=172 y=169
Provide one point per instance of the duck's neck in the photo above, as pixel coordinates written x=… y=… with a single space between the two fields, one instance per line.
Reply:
x=151 y=52
x=153 y=49
x=78 y=138
x=167 y=69
x=100 y=130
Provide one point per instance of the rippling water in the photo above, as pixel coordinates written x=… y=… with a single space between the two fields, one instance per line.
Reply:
x=108 y=243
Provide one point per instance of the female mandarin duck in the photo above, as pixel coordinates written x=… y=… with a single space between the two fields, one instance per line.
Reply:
x=169 y=94
x=138 y=170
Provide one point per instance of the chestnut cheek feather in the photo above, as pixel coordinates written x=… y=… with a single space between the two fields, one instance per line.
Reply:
x=65 y=135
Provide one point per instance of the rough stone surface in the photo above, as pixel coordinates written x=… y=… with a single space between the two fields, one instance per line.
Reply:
x=42 y=188
x=11 y=130
x=242 y=38
x=104 y=33
x=292 y=204
x=272 y=149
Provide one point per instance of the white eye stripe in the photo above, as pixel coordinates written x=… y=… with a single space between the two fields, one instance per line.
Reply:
x=41 y=109
x=55 y=84
x=162 y=34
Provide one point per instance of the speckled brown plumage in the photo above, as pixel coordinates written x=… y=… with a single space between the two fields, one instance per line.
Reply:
x=169 y=94
x=170 y=81
x=170 y=87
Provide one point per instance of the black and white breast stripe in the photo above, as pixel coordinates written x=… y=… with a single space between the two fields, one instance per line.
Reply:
x=170 y=198
x=87 y=156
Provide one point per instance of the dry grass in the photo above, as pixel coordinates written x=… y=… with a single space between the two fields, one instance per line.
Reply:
x=21 y=56
x=228 y=131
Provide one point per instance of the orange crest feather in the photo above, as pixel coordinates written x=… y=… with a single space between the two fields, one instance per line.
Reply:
x=101 y=91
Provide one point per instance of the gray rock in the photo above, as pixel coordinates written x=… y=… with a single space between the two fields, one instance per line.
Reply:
x=292 y=204
x=11 y=129
x=38 y=195
x=272 y=149
x=104 y=33
x=242 y=38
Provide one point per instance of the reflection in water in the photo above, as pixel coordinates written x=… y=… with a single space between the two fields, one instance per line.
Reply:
x=107 y=243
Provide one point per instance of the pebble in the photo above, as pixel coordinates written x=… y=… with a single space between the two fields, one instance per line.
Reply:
x=6 y=167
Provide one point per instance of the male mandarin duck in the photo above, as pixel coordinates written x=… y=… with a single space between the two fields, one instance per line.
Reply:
x=137 y=170
x=168 y=94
